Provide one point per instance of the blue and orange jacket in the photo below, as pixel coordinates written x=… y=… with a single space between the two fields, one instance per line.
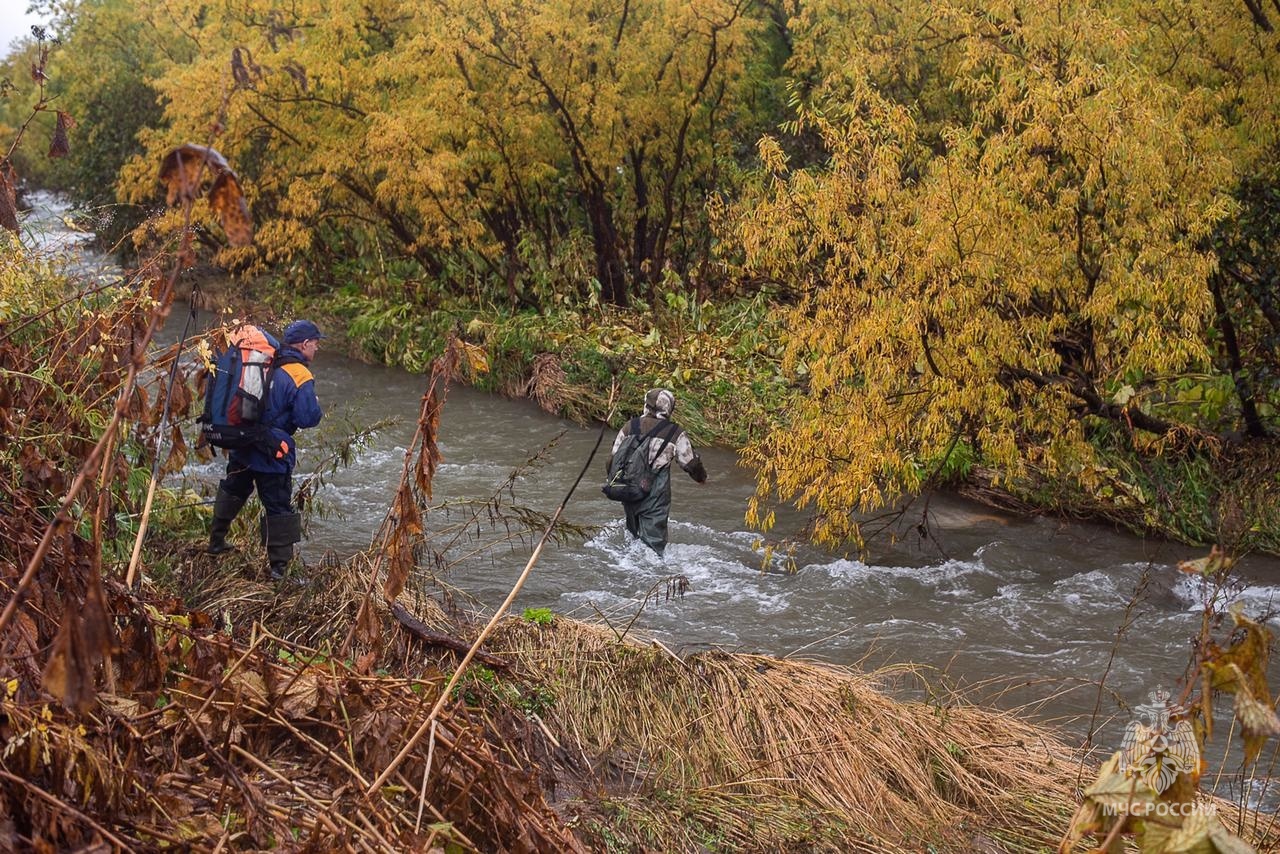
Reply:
x=292 y=405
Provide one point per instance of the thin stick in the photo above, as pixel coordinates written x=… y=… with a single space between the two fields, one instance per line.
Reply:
x=426 y=774
x=644 y=603
x=36 y=790
x=489 y=627
x=160 y=431
x=821 y=640
x=298 y=790
x=427 y=399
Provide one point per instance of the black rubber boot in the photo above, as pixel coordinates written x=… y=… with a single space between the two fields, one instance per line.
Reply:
x=278 y=570
x=225 y=508
x=279 y=533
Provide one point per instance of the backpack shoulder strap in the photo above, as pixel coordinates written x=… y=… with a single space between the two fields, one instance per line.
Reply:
x=640 y=441
x=299 y=374
x=672 y=432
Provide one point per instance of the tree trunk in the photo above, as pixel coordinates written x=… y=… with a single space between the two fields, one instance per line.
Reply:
x=643 y=263
x=604 y=236
x=1240 y=376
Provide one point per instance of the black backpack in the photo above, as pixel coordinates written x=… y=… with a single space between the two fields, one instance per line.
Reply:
x=630 y=477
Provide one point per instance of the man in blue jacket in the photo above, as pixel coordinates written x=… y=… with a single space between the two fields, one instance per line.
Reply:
x=291 y=405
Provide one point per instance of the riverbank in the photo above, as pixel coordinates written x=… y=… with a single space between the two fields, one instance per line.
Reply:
x=729 y=752
x=724 y=364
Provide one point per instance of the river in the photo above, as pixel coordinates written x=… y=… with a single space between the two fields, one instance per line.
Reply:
x=1026 y=607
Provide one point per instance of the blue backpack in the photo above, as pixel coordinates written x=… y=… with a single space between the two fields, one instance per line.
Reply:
x=236 y=395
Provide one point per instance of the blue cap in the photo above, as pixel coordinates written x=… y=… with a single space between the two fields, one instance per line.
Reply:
x=301 y=330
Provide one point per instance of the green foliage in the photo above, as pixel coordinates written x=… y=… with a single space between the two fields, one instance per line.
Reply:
x=707 y=353
x=539 y=616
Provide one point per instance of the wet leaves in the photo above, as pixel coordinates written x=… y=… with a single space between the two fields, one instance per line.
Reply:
x=1199 y=833
x=84 y=644
x=68 y=674
x=244 y=71
x=178 y=452
x=1241 y=669
x=368 y=628
x=8 y=199
x=39 y=473
x=404 y=536
x=228 y=202
x=185 y=169
x=1173 y=820
x=59 y=144
x=184 y=172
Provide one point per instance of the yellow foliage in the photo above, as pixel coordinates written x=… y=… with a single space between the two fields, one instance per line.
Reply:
x=993 y=272
x=1241 y=669
x=449 y=125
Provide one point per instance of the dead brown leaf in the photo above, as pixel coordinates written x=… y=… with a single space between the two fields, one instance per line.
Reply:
x=8 y=201
x=185 y=168
x=68 y=675
x=184 y=171
x=178 y=453
x=60 y=144
x=368 y=626
x=228 y=202
x=302 y=697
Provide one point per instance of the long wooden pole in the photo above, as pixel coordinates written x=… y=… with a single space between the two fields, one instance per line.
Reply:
x=488 y=629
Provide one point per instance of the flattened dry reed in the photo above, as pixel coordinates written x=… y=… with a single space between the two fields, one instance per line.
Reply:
x=750 y=752
x=822 y=754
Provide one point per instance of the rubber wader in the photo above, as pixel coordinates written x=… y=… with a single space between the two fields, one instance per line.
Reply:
x=225 y=508
x=647 y=518
x=279 y=533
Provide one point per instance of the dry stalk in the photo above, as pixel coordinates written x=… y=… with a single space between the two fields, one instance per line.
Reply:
x=489 y=627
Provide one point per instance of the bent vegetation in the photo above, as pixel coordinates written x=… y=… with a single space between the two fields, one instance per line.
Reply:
x=1025 y=252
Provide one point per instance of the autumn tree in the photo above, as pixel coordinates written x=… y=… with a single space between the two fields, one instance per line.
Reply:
x=636 y=97
x=1012 y=256
x=101 y=78
x=481 y=137
x=29 y=119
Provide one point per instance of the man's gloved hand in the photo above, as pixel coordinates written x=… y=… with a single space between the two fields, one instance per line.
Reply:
x=696 y=470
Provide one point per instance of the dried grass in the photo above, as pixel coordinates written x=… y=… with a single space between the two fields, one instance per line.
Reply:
x=738 y=752
x=760 y=752
x=549 y=387
x=220 y=734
